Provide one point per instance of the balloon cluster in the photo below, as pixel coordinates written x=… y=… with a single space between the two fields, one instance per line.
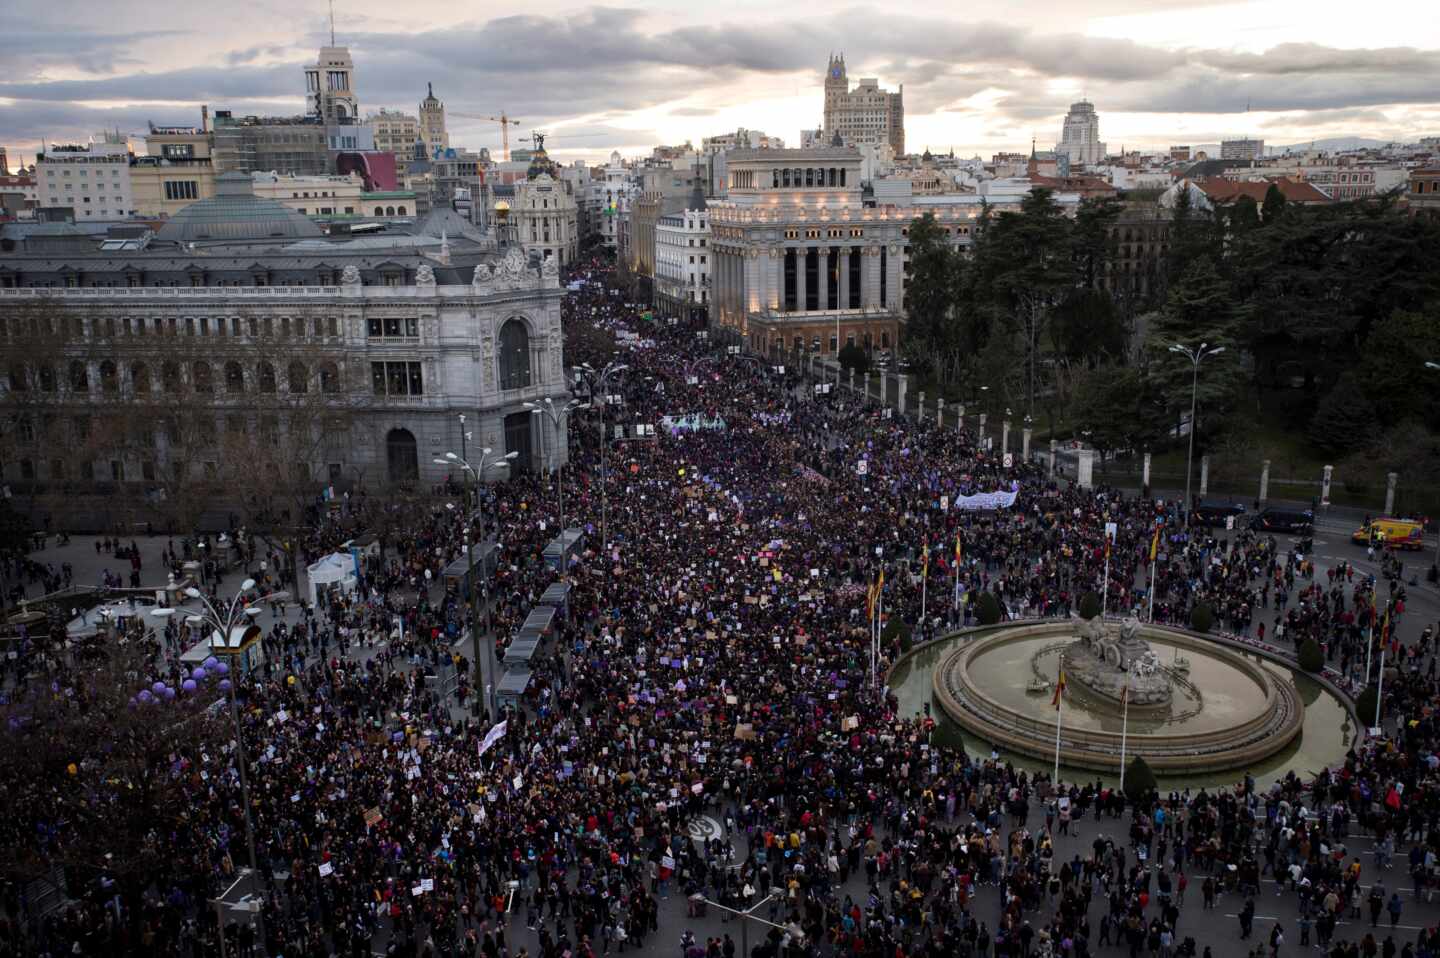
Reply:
x=211 y=668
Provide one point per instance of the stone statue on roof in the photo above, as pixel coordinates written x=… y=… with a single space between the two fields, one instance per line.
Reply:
x=482 y=276
x=424 y=275
x=350 y=276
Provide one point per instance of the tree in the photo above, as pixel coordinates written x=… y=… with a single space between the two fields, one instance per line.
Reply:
x=1310 y=658
x=853 y=357
x=1139 y=779
x=1202 y=617
x=931 y=290
x=96 y=785
x=1392 y=366
x=987 y=608
x=1092 y=239
x=1365 y=704
x=1199 y=309
x=1275 y=203
x=1344 y=419
x=1119 y=408
x=1089 y=605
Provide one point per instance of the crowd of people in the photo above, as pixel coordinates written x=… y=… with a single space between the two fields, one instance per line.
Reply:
x=706 y=724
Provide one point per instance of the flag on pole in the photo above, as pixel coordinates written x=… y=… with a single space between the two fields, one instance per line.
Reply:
x=925 y=561
x=1059 y=690
x=493 y=736
x=870 y=595
x=957 y=551
x=1155 y=544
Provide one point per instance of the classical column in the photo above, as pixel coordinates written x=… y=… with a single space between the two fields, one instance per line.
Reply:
x=871 y=278
x=802 y=256
x=894 y=285
x=823 y=276
x=940 y=412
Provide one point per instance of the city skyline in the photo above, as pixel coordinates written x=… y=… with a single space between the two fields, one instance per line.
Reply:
x=599 y=79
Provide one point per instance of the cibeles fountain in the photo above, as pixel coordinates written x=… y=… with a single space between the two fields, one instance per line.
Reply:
x=1189 y=704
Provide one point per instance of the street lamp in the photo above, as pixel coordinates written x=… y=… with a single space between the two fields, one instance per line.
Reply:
x=596 y=381
x=483 y=664
x=555 y=414
x=223 y=619
x=1195 y=355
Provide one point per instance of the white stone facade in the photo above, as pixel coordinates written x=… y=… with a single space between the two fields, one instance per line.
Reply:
x=866 y=114
x=1080 y=135
x=330 y=87
x=394 y=132
x=544 y=216
x=682 y=262
x=312 y=195
x=93 y=180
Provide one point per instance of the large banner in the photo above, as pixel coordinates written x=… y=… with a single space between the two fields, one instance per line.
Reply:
x=988 y=500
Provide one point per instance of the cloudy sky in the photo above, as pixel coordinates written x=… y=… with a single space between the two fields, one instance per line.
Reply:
x=599 y=78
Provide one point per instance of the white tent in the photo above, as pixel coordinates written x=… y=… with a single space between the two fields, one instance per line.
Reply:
x=336 y=571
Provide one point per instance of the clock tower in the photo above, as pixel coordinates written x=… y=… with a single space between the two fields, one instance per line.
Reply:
x=836 y=86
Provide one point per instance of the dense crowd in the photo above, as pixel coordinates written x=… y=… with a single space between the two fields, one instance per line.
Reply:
x=714 y=664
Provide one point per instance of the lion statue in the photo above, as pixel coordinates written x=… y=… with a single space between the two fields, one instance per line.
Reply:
x=482 y=275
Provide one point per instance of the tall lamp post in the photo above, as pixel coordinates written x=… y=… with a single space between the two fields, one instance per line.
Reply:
x=596 y=380
x=1435 y=366
x=223 y=619
x=484 y=666
x=1196 y=354
x=556 y=414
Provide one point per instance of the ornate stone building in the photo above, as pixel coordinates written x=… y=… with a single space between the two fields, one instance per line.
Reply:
x=864 y=115
x=356 y=356
x=800 y=263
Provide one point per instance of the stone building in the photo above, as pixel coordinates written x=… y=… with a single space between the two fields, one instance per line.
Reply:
x=866 y=114
x=542 y=217
x=682 y=261
x=1080 y=135
x=395 y=132
x=352 y=359
x=432 y=123
x=330 y=87
x=92 y=179
x=799 y=261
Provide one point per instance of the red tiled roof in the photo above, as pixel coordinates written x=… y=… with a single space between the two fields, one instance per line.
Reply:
x=1221 y=190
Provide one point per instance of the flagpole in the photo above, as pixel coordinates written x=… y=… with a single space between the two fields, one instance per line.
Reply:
x=1059 y=712
x=1153 y=558
x=924 y=586
x=879 y=619
x=1379 y=685
x=1369 y=636
x=1105 y=590
x=1124 y=728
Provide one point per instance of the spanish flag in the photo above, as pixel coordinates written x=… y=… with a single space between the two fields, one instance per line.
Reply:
x=957 y=550
x=1155 y=544
x=1059 y=690
x=925 y=561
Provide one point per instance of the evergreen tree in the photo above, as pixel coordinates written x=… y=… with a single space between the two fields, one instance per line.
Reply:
x=1198 y=310
x=1344 y=417
x=1274 y=206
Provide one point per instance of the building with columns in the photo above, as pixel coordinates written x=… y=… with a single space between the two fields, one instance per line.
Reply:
x=799 y=261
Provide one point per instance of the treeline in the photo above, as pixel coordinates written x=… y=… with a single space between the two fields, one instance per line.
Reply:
x=1327 y=314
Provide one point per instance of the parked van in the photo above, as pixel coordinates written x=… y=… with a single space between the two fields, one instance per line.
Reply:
x=1212 y=512
x=1297 y=521
x=1399 y=533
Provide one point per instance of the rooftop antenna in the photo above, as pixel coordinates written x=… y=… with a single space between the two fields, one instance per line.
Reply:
x=332 y=22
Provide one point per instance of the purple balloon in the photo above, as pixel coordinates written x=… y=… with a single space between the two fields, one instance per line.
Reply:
x=199 y=672
x=158 y=688
x=146 y=696
x=211 y=662
x=190 y=685
x=222 y=668
x=224 y=683
x=169 y=693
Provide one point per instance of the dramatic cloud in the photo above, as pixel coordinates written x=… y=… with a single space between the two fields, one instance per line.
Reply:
x=628 y=68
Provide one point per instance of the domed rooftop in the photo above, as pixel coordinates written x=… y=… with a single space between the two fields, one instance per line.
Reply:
x=236 y=215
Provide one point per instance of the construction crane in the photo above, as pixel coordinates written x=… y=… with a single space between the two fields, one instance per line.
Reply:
x=505 y=124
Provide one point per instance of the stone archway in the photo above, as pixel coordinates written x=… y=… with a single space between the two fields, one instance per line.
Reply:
x=402 y=456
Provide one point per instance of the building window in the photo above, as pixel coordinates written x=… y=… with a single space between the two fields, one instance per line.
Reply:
x=298 y=377
x=182 y=190
x=329 y=378
x=266 y=377
x=514 y=355
x=397 y=379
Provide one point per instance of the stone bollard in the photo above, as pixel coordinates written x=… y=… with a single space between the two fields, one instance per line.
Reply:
x=1204 y=475
x=1005 y=437
x=900 y=393
x=980 y=434
x=852 y=379
x=1025 y=443
x=939 y=412
x=920 y=408
x=1264 y=482
x=1390 y=479
x=1145 y=474
x=1085 y=468
x=1054 y=452
x=960 y=425
x=884 y=388
x=867 y=385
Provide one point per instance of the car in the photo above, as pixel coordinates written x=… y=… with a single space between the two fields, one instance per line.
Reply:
x=1214 y=512
x=1296 y=521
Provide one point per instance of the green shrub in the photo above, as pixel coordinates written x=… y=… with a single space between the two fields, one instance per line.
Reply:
x=853 y=357
x=896 y=630
x=987 y=608
x=1365 y=705
x=1089 y=605
x=1139 y=779
x=1202 y=617
x=1311 y=658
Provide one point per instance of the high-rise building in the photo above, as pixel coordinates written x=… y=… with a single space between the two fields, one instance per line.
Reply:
x=394 y=132
x=1243 y=149
x=432 y=122
x=1080 y=136
x=92 y=179
x=866 y=114
x=330 y=87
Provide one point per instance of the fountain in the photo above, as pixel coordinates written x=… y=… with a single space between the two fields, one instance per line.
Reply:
x=1225 y=712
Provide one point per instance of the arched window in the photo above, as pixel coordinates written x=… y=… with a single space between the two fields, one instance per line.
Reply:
x=19 y=377
x=170 y=376
x=79 y=377
x=389 y=211
x=379 y=211
x=45 y=373
x=203 y=377
x=329 y=378
x=400 y=210
x=514 y=354
x=842 y=176
x=109 y=377
x=266 y=377
x=234 y=378
x=785 y=177
x=140 y=379
x=402 y=456
x=298 y=377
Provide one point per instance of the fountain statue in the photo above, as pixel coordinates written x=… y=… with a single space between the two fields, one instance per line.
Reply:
x=1103 y=657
